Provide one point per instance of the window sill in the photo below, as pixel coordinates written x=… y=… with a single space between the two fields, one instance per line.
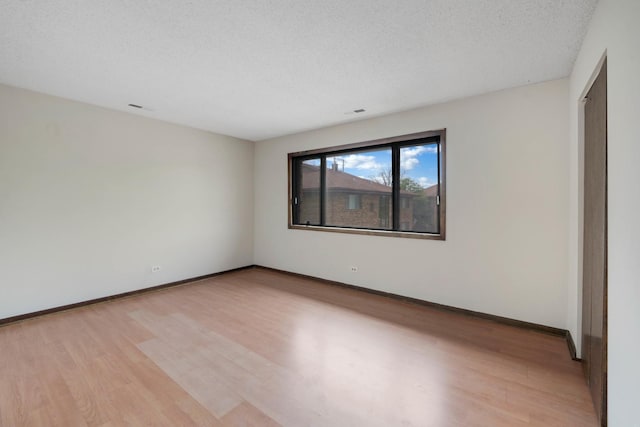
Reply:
x=383 y=233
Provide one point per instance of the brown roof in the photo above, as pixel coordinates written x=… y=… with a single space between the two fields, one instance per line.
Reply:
x=431 y=191
x=339 y=180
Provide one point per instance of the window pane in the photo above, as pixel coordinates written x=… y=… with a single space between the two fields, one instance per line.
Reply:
x=309 y=192
x=359 y=189
x=419 y=188
x=353 y=202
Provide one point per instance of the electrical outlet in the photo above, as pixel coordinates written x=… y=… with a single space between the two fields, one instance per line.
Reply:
x=354 y=269
x=155 y=268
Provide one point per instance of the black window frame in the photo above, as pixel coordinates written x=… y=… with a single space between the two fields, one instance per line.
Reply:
x=395 y=143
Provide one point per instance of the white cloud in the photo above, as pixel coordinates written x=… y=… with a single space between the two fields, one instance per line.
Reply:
x=360 y=161
x=409 y=163
x=409 y=156
x=425 y=182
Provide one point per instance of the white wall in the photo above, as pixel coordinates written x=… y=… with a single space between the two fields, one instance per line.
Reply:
x=90 y=199
x=614 y=29
x=507 y=209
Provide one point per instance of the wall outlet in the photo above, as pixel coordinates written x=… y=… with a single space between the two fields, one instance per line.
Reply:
x=155 y=268
x=354 y=269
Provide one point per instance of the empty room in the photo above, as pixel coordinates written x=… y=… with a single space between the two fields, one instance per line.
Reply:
x=319 y=213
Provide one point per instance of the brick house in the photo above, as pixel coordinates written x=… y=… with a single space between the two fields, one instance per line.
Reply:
x=352 y=201
x=425 y=210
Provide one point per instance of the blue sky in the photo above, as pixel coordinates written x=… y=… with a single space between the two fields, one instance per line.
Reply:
x=417 y=162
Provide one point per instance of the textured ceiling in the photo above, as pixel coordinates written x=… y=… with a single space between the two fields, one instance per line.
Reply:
x=262 y=68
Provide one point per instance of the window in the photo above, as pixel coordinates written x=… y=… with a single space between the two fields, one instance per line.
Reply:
x=404 y=202
x=391 y=187
x=353 y=202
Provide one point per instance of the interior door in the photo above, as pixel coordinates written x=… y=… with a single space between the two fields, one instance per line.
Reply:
x=594 y=286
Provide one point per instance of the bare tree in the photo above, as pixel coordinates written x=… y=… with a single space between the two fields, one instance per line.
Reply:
x=385 y=177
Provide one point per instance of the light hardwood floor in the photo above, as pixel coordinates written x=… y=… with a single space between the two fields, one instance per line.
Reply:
x=261 y=348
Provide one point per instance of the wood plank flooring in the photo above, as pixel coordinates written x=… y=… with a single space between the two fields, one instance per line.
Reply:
x=261 y=348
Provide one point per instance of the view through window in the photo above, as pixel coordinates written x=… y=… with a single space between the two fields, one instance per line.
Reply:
x=395 y=185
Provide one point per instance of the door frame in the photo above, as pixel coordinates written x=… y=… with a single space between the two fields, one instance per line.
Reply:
x=581 y=210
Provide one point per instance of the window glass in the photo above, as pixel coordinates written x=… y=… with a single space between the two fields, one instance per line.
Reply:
x=387 y=185
x=353 y=202
x=355 y=182
x=419 y=188
x=309 y=192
